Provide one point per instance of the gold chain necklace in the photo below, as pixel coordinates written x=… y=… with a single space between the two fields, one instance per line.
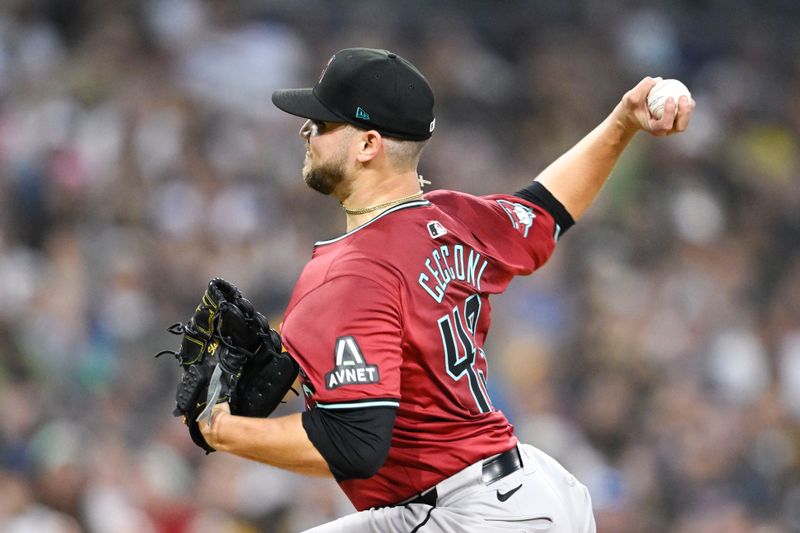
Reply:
x=381 y=206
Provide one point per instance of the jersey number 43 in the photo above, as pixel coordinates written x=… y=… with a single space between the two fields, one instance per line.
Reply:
x=465 y=361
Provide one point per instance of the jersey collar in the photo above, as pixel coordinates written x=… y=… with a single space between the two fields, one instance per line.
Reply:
x=407 y=205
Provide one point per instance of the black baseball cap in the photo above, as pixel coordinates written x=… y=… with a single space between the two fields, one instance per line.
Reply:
x=370 y=89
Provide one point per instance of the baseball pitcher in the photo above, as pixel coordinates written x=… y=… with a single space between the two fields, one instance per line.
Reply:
x=387 y=322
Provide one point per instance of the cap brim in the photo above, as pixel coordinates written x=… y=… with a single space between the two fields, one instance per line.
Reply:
x=303 y=103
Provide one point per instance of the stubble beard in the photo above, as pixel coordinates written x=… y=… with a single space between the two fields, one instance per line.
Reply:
x=324 y=177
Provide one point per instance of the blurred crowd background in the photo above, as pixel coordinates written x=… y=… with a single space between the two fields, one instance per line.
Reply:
x=657 y=354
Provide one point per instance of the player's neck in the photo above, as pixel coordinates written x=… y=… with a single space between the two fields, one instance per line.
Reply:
x=373 y=194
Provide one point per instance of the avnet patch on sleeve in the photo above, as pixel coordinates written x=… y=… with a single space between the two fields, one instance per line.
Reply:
x=350 y=367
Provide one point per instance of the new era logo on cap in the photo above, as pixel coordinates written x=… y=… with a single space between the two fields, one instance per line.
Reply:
x=369 y=88
x=361 y=114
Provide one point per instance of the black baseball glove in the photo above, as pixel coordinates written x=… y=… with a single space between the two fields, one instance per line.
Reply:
x=227 y=336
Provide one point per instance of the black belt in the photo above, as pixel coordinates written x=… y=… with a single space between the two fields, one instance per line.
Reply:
x=494 y=469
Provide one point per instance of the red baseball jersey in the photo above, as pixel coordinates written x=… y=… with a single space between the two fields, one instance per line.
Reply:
x=395 y=313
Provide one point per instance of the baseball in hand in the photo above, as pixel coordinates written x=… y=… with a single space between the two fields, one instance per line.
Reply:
x=662 y=90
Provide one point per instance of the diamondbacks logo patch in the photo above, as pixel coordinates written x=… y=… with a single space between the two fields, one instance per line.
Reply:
x=350 y=368
x=521 y=215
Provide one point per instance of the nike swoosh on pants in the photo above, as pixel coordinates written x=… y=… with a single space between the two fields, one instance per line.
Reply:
x=504 y=496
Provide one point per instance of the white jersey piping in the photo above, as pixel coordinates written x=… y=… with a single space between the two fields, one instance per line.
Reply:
x=356 y=404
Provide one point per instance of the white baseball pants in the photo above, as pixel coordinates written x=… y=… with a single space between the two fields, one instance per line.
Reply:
x=542 y=496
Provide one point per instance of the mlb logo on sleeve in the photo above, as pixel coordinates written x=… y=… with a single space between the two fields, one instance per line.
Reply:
x=350 y=368
x=436 y=229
